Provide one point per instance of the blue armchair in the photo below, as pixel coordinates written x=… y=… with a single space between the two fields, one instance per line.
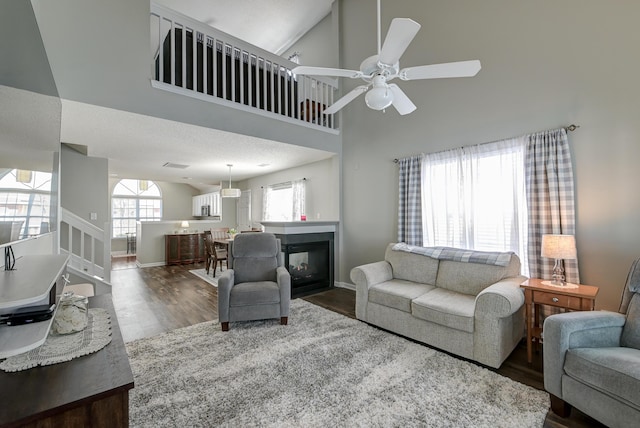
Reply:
x=592 y=360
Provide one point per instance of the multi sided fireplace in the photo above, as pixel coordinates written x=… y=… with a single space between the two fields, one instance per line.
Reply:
x=309 y=258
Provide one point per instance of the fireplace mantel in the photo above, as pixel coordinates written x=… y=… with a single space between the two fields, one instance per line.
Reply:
x=298 y=227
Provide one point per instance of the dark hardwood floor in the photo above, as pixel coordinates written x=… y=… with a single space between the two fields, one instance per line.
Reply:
x=150 y=301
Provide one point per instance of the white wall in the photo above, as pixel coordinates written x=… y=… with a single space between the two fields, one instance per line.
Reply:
x=322 y=189
x=315 y=47
x=545 y=64
x=84 y=186
x=84 y=191
x=150 y=249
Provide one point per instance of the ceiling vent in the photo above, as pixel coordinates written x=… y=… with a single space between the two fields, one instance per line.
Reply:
x=175 y=165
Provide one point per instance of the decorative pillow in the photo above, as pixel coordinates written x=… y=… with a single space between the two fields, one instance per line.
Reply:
x=631 y=331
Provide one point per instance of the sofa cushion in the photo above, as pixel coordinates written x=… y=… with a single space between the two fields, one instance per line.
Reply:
x=397 y=293
x=614 y=371
x=472 y=278
x=412 y=267
x=254 y=293
x=631 y=330
x=445 y=307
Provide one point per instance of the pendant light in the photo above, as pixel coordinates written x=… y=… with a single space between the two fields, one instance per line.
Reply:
x=230 y=192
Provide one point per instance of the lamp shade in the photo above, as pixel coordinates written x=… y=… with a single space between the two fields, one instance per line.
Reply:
x=24 y=176
x=230 y=192
x=559 y=247
x=184 y=224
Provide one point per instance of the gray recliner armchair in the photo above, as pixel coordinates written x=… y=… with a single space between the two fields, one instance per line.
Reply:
x=256 y=286
x=592 y=360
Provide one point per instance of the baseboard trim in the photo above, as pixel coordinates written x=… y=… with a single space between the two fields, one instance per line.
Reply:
x=154 y=264
x=346 y=285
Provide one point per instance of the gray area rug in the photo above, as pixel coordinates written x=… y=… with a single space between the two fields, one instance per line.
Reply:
x=323 y=369
x=202 y=274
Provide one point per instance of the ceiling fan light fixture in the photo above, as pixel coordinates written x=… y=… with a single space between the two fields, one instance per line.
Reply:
x=378 y=98
x=379 y=69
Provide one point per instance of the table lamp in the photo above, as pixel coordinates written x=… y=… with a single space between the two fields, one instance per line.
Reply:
x=559 y=247
x=184 y=225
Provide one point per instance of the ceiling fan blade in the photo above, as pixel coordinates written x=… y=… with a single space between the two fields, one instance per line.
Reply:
x=401 y=32
x=333 y=108
x=324 y=71
x=401 y=101
x=440 y=71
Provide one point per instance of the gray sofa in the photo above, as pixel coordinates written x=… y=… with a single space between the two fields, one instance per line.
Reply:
x=592 y=360
x=448 y=298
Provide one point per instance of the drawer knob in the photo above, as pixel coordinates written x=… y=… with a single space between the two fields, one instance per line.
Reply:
x=554 y=300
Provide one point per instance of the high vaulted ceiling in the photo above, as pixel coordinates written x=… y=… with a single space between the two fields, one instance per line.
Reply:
x=138 y=146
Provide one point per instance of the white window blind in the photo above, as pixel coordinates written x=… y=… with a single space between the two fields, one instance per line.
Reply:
x=284 y=201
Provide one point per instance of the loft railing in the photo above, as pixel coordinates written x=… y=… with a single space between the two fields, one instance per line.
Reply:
x=88 y=246
x=194 y=59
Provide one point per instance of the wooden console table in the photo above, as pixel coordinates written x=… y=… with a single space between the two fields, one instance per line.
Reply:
x=582 y=298
x=92 y=390
x=184 y=248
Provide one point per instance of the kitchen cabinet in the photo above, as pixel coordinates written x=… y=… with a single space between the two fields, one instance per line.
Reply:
x=211 y=200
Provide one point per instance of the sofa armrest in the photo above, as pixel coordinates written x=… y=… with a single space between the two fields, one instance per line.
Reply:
x=502 y=299
x=225 y=284
x=371 y=274
x=364 y=277
x=587 y=329
x=284 y=283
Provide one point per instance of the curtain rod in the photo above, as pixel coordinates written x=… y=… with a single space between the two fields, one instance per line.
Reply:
x=285 y=182
x=569 y=128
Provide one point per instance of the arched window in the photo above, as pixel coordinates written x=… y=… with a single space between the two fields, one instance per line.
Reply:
x=131 y=201
x=26 y=196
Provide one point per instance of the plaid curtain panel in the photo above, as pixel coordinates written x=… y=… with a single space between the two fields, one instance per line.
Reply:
x=410 y=201
x=550 y=198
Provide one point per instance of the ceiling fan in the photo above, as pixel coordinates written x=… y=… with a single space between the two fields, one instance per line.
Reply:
x=378 y=70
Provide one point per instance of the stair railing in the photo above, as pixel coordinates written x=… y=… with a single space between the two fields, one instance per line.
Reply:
x=88 y=246
x=194 y=59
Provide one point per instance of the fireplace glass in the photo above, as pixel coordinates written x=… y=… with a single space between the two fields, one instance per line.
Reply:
x=310 y=264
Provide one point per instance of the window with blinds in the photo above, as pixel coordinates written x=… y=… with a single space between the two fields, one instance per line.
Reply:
x=284 y=201
x=474 y=197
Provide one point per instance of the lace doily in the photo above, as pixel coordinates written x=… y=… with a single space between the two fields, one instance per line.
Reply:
x=566 y=284
x=60 y=348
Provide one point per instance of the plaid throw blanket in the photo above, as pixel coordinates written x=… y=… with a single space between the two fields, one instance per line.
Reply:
x=458 y=254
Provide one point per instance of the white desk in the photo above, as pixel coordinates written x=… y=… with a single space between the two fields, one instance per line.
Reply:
x=29 y=284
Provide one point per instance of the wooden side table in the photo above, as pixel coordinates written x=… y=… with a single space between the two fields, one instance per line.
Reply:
x=89 y=391
x=582 y=298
